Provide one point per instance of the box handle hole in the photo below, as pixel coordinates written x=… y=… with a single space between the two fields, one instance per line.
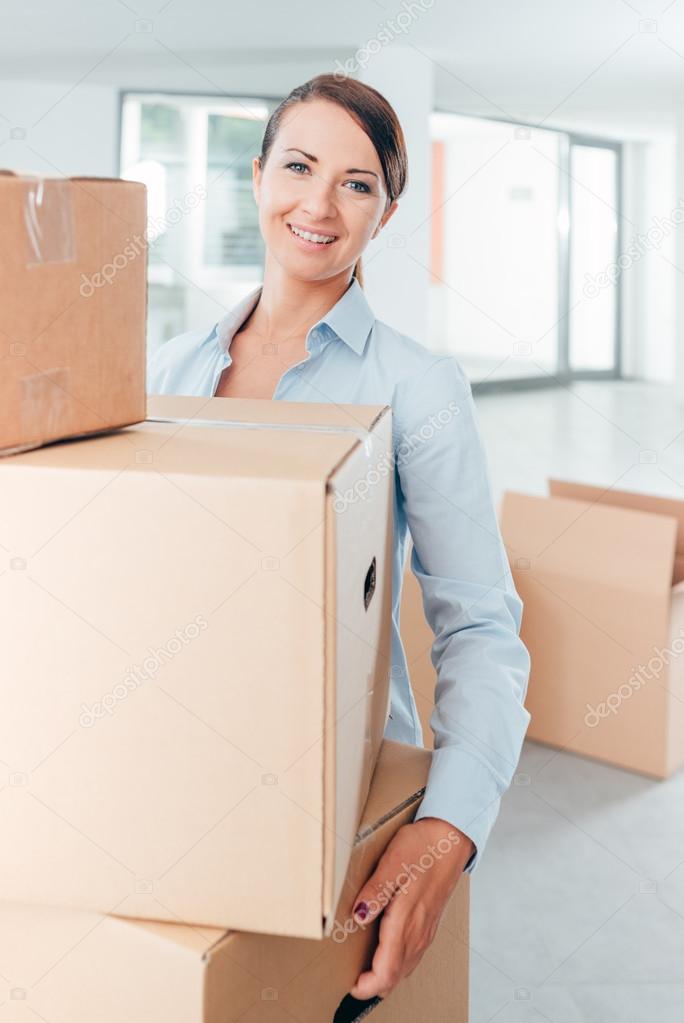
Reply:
x=369 y=585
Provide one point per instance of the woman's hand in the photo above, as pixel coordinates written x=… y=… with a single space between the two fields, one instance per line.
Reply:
x=410 y=886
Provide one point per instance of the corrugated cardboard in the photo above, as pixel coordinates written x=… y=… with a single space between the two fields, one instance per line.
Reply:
x=73 y=298
x=71 y=966
x=595 y=569
x=196 y=679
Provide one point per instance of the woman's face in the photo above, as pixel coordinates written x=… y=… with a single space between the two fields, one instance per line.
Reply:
x=322 y=176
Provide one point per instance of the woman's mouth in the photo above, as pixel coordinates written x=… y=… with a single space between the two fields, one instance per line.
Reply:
x=311 y=240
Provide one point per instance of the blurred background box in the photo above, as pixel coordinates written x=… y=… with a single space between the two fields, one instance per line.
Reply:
x=605 y=628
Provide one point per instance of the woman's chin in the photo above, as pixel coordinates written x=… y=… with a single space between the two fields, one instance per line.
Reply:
x=305 y=270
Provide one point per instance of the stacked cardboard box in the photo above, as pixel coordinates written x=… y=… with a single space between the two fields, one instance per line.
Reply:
x=73 y=291
x=212 y=675
x=601 y=575
x=68 y=965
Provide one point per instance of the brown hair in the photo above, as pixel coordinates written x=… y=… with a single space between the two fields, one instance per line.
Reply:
x=370 y=110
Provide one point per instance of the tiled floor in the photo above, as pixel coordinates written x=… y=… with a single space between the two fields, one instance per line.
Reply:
x=578 y=904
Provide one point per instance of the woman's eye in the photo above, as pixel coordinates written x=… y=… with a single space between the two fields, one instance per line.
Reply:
x=294 y=164
x=364 y=187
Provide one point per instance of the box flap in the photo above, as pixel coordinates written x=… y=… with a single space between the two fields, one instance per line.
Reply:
x=583 y=539
x=262 y=410
x=195 y=938
x=625 y=499
x=400 y=775
x=208 y=451
x=123 y=182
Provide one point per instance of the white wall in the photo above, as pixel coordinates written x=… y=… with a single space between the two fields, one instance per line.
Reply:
x=650 y=283
x=662 y=279
x=679 y=260
x=55 y=129
x=633 y=306
x=396 y=267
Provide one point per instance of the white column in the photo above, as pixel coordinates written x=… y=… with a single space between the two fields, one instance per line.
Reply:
x=396 y=264
x=679 y=260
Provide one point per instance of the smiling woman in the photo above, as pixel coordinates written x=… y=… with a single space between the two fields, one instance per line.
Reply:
x=331 y=168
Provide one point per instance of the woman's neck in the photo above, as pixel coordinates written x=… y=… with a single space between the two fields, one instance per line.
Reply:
x=288 y=307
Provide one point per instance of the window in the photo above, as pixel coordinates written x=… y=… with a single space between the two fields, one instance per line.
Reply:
x=522 y=217
x=195 y=155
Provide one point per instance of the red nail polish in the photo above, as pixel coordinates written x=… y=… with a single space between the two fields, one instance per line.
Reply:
x=361 y=910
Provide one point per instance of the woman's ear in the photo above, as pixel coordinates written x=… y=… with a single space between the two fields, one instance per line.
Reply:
x=256 y=178
x=385 y=217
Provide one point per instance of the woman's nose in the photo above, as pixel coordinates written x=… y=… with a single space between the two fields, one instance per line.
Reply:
x=319 y=201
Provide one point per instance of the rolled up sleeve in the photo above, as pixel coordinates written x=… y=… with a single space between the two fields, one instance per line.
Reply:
x=469 y=599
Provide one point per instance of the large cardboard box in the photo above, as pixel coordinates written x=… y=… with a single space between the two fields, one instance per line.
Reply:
x=69 y=966
x=600 y=574
x=195 y=668
x=73 y=299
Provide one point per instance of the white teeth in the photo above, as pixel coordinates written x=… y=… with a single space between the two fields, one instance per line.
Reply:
x=324 y=239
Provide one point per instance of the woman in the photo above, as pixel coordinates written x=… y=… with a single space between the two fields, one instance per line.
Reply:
x=332 y=167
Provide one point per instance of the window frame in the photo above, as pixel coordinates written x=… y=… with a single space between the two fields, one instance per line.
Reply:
x=564 y=374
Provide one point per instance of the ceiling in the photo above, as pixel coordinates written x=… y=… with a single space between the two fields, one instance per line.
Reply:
x=612 y=61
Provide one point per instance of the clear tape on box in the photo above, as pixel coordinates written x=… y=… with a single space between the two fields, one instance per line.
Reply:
x=49 y=221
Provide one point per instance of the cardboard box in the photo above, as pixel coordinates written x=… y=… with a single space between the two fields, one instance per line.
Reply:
x=70 y=966
x=196 y=682
x=73 y=294
x=600 y=574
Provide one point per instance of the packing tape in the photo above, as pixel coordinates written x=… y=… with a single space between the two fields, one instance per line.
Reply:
x=49 y=221
x=44 y=400
x=363 y=434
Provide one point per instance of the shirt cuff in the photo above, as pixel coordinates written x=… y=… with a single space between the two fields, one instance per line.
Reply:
x=464 y=792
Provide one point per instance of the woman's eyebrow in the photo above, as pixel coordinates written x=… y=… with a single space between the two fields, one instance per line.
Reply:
x=314 y=159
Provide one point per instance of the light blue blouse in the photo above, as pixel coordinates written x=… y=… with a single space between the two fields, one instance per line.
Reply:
x=443 y=500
